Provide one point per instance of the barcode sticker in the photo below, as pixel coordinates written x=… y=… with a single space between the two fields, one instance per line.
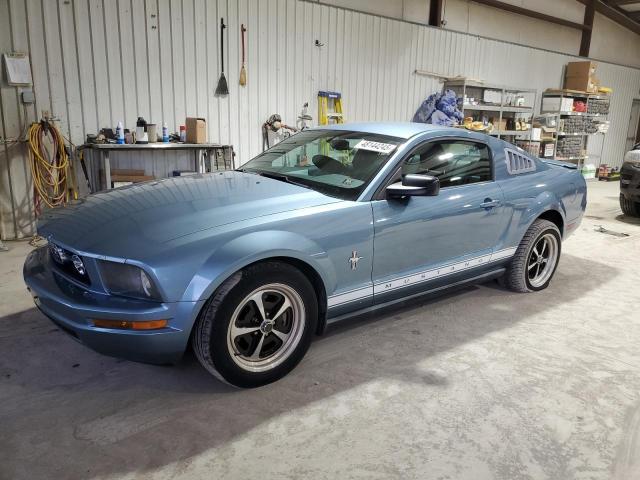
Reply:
x=375 y=146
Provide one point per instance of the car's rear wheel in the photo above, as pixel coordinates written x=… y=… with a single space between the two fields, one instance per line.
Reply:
x=536 y=258
x=257 y=326
x=629 y=207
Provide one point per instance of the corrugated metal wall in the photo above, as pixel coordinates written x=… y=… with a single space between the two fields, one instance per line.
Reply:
x=95 y=62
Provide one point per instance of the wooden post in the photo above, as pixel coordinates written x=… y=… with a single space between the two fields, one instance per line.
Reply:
x=585 y=41
x=435 y=13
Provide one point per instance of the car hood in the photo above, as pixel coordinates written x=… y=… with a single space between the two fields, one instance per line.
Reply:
x=121 y=222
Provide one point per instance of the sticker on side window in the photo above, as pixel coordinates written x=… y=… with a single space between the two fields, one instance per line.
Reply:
x=375 y=146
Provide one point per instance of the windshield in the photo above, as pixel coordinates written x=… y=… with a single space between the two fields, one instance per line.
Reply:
x=334 y=162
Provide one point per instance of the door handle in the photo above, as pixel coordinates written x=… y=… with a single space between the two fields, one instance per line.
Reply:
x=488 y=203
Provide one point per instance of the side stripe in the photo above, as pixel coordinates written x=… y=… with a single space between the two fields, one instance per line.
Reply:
x=419 y=277
x=506 y=253
x=350 y=296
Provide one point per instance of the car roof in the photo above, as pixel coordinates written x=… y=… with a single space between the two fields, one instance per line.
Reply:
x=394 y=129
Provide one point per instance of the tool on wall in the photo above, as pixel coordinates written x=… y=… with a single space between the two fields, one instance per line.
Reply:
x=304 y=117
x=222 y=88
x=274 y=124
x=49 y=162
x=80 y=155
x=329 y=108
x=243 y=70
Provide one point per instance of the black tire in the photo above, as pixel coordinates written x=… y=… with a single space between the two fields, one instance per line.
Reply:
x=210 y=338
x=516 y=277
x=629 y=207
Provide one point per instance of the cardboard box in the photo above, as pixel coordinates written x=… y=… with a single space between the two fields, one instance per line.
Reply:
x=196 y=130
x=581 y=69
x=499 y=125
x=131 y=178
x=581 y=76
x=121 y=177
x=492 y=96
x=127 y=171
x=581 y=84
x=536 y=134
x=557 y=104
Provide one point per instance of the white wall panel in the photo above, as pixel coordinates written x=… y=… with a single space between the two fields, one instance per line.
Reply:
x=15 y=182
x=614 y=43
x=610 y=41
x=96 y=62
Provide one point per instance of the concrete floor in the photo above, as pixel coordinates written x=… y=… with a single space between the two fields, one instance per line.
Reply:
x=482 y=384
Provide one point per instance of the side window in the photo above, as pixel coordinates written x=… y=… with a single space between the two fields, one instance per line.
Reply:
x=454 y=162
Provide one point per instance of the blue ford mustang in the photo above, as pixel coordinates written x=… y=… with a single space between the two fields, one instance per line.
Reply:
x=246 y=266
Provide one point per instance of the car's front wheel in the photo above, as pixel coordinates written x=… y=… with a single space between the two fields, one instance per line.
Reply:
x=536 y=258
x=257 y=326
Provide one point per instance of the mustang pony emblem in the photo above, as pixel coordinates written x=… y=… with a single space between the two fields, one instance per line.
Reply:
x=353 y=260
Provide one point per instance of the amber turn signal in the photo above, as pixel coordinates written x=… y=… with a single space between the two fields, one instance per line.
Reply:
x=126 y=325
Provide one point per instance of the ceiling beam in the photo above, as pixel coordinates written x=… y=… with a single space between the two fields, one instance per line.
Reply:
x=623 y=2
x=531 y=13
x=614 y=14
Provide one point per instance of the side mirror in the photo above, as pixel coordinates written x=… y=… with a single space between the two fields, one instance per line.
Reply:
x=414 y=186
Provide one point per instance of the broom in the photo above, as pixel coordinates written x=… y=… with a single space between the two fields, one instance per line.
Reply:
x=243 y=70
x=222 y=88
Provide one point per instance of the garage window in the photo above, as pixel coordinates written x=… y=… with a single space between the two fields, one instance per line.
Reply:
x=453 y=162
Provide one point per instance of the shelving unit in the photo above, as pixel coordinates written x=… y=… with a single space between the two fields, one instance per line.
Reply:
x=556 y=114
x=496 y=104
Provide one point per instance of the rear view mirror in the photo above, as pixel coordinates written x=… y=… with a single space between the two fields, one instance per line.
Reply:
x=340 y=144
x=414 y=186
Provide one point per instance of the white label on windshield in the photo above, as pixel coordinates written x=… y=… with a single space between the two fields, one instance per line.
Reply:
x=375 y=146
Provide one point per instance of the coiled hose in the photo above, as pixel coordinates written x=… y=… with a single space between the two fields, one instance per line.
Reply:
x=49 y=164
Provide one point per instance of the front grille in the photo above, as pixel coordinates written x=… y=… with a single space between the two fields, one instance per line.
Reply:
x=62 y=259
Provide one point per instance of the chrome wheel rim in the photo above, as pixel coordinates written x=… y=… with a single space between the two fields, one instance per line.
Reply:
x=266 y=327
x=542 y=260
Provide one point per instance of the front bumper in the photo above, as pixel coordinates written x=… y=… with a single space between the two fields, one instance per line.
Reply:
x=630 y=181
x=72 y=308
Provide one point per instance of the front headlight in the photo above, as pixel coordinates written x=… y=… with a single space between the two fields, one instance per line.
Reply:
x=128 y=281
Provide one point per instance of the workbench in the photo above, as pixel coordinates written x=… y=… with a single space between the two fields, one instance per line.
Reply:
x=220 y=157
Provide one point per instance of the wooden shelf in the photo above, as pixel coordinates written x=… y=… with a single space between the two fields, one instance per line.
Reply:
x=573 y=114
x=464 y=82
x=574 y=94
x=497 y=108
x=511 y=132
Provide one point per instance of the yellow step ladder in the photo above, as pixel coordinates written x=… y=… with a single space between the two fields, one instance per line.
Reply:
x=329 y=108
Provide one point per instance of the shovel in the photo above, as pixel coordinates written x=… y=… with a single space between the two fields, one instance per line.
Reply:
x=243 y=70
x=222 y=88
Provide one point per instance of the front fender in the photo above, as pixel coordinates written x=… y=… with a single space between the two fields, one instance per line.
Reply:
x=253 y=247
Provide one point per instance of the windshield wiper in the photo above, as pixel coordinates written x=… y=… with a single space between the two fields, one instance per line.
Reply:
x=284 y=178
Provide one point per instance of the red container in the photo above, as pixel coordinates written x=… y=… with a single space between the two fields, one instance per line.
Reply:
x=579 y=106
